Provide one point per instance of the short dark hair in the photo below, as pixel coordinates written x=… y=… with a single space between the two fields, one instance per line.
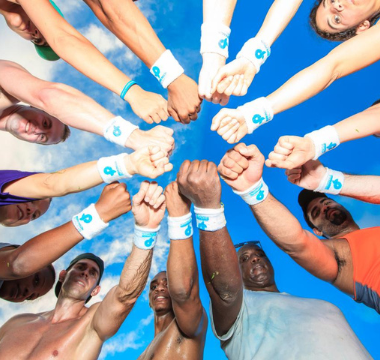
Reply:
x=66 y=133
x=339 y=36
x=304 y=199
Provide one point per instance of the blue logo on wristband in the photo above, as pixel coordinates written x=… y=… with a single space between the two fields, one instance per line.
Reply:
x=329 y=147
x=258 y=119
x=260 y=195
x=116 y=131
x=260 y=54
x=223 y=43
x=87 y=218
x=202 y=225
x=336 y=183
x=149 y=242
x=188 y=231
x=156 y=72
x=109 y=171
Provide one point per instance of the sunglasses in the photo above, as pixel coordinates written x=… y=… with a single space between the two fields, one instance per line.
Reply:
x=252 y=242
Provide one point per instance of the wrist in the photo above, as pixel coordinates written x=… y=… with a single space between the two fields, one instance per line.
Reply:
x=215 y=38
x=210 y=219
x=129 y=164
x=331 y=183
x=178 y=212
x=134 y=138
x=255 y=51
x=118 y=130
x=113 y=168
x=180 y=227
x=166 y=69
x=133 y=93
x=145 y=238
x=324 y=140
x=255 y=194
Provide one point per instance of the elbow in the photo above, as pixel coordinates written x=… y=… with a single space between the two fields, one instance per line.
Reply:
x=293 y=249
x=181 y=295
x=18 y=267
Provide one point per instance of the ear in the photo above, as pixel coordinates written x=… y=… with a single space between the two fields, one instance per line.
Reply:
x=317 y=232
x=62 y=275
x=95 y=291
x=365 y=25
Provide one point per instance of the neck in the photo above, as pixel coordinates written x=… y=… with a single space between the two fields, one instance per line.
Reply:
x=68 y=309
x=162 y=321
x=347 y=230
x=269 y=288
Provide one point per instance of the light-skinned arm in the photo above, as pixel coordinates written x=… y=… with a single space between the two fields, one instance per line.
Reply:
x=199 y=182
x=361 y=187
x=43 y=249
x=236 y=77
x=149 y=161
x=70 y=106
x=343 y=60
x=126 y=21
x=214 y=11
x=120 y=300
x=241 y=168
x=80 y=53
x=182 y=272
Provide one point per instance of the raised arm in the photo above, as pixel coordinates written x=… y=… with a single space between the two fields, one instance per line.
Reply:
x=241 y=168
x=217 y=16
x=182 y=270
x=149 y=161
x=293 y=151
x=341 y=61
x=76 y=50
x=120 y=299
x=125 y=20
x=236 y=77
x=43 y=249
x=199 y=182
x=361 y=187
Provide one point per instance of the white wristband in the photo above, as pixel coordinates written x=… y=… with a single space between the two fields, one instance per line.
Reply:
x=210 y=219
x=166 y=69
x=215 y=38
x=113 y=168
x=256 y=113
x=324 y=140
x=180 y=228
x=145 y=238
x=331 y=183
x=255 y=194
x=256 y=51
x=118 y=130
x=88 y=222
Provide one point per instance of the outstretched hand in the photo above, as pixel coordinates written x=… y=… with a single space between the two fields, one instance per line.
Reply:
x=242 y=166
x=308 y=176
x=149 y=205
x=234 y=78
x=230 y=125
x=150 y=161
x=291 y=152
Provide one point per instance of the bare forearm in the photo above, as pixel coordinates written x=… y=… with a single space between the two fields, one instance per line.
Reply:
x=359 y=125
x=277 y=19
x=39 y=252
x=125 y=20
x=218 y=11
x=364 y=188
x=220 y=266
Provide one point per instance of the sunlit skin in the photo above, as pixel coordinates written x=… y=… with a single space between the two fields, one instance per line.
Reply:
x=20 y=23
x=29 y=288
x=334 y=16
x=32 y=125
x=23 y=213
x=330 y=218
x=256 y=269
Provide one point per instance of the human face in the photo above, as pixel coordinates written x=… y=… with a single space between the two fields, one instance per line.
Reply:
x=81 y=280
x=35 y=126
x=29 y=288
x=23 y=213
x=159 y=298
x=334 y=16
x=20 y=23
x=256 y=269
x=328 y=216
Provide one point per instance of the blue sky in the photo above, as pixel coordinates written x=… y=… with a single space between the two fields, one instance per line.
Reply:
x=178 y=25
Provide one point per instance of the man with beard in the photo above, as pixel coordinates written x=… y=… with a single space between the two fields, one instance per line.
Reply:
x=348 y=258
x=249 y=315
x=180 y=321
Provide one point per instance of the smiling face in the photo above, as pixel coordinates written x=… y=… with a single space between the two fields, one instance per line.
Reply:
x=35 y=126
x=159 y=298
x=257 y=271
x=23 y=213
x=29 y=288
x=81 y=280
x=328 y=217
x=334 y=16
